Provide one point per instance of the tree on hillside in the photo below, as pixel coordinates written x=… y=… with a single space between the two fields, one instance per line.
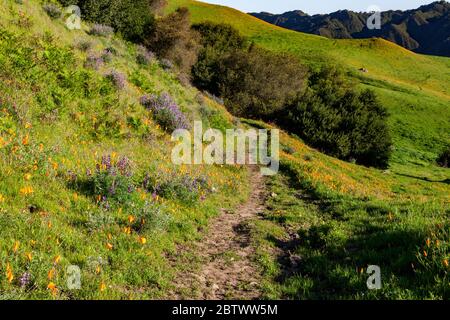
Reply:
x=133 y=19
x=218 y=41
x=173 y=39
x=253 y=82
x=333 y=117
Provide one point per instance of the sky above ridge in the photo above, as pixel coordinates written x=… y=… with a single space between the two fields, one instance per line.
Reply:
x=318 y=6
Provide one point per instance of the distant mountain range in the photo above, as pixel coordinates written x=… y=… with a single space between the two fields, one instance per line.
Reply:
x=423 y=30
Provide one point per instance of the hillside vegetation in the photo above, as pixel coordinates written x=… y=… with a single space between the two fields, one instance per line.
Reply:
x=414 y=88
x=423 y=30
x=86 y=177
x=326 y=220
x=66 y=129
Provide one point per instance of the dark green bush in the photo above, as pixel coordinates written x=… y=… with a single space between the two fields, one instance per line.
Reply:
x=257 y=83
x=218 y=41
x=253 y=82
x=444 y=158
x=133 y=19
x=333 y=117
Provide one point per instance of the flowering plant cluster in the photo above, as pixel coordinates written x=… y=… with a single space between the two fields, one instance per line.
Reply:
x=118 y=79
x=101 y=30
x=165 y=111
x=144 y=57
x=52 y=10
x=112 y=180
x=182 y=187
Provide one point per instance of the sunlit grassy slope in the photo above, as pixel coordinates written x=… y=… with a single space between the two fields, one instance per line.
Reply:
x=57 y=119
x=415 y=88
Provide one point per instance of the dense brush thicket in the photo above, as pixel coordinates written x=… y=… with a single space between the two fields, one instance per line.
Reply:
x=252 y=81
x=444 y=158
x=172 y=38
x=328 y=114
x=333 y=117
x=133 y=19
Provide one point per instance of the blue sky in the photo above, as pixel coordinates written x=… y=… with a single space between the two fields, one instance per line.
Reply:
x=317 y=6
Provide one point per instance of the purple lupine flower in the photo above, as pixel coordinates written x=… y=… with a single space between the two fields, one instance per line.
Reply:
x=165 y=111
x=112 y=189
x=144 y=56
x=130 y=188
x=106 y=56
x=52 y=10
x=124 y=166
x=117 y=78
x=93 y=61
x=106 y=161
x=101 y=30
x=166 y=64
x=25 y=280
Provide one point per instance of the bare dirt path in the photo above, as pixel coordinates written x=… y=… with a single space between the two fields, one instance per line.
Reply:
x=226 y=267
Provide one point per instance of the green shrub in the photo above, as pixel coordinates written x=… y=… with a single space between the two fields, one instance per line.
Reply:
x=52 y=10
x=133 y=19
x=173 y=39
x=112 y=181
x=331 y=116
x=180 y=187
x=253 y=82
x=218 y=41
x=444 y=158
x=257 y=83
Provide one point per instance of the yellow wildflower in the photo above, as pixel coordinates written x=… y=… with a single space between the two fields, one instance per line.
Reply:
x=52 y=287
x=50 y=274
x=26 y=190
x=16 y=246
x=9 y=273
x=57 y=259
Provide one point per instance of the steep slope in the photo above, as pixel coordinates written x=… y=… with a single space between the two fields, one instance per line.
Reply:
x=67 y=126
x=414 y=87
x=423 y=30
x=66 y=129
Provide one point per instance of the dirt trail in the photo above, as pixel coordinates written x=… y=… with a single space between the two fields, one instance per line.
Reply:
x=227 y=270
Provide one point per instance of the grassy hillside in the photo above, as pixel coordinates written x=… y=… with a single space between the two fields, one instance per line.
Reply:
x=64 y=125
x=57 y=120
x=326 y=220
x=415 y=88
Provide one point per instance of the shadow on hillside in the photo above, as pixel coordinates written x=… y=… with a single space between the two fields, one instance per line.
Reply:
x=446 y=181
x=331 y=264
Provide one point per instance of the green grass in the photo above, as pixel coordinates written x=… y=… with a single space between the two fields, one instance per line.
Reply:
x=415 y=88
x=337 y=238
x=57 y=119
x=333 y=219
